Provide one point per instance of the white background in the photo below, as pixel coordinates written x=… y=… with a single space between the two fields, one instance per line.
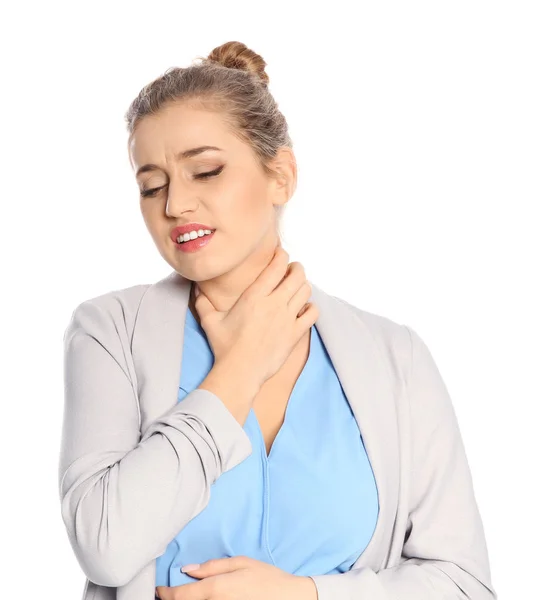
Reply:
x=421 y=132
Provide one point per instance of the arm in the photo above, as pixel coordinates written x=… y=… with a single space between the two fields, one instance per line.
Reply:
x=445 y=554
x=124 y=498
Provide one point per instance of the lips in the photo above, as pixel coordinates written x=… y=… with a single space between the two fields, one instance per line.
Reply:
x=181 y=229
x=196 y=244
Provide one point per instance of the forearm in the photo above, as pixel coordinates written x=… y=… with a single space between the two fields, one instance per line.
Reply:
x=308 y=589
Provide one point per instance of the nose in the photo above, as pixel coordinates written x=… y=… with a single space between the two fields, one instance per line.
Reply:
x=180 y=201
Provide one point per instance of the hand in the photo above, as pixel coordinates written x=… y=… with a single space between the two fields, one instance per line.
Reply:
x=262 y=328
x=241 y=578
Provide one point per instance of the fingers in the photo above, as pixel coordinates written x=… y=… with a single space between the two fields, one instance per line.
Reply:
x=308 y=315
x=291 y=283
x=270 y=277
x=300 y=298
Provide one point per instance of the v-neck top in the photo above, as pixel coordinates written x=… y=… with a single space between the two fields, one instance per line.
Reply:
x=298 y=508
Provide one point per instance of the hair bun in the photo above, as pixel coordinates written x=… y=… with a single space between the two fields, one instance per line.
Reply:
x=236 y=55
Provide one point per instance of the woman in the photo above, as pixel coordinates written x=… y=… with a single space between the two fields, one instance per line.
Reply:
x=234 y=415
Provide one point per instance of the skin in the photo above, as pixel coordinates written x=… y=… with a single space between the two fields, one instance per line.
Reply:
x=240 y=204
x=240 y=578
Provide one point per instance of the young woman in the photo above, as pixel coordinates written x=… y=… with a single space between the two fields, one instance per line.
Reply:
x=233 y=415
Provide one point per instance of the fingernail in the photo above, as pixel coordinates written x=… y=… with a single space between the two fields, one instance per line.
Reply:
x=188 y=568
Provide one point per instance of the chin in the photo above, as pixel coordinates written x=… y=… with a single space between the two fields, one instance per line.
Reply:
x=200 y=272
x=203 y=267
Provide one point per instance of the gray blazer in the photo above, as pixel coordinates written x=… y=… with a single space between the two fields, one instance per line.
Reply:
x=135 y=465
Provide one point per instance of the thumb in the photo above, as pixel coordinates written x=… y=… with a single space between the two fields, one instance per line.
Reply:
x=217 y=566
x=203 y=306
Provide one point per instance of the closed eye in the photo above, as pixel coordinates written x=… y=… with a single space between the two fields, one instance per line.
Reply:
x=209 y=174
x=203 y=176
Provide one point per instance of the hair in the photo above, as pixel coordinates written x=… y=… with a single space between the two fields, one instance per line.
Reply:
x=232 y=81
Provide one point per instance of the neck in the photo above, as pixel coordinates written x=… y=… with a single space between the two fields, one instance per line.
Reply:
x=224 y=291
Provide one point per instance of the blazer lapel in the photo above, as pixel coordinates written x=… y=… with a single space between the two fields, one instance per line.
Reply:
x=157 y=345
x=365 y=379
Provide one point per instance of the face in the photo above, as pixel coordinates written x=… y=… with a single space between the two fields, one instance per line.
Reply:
x=237 y=199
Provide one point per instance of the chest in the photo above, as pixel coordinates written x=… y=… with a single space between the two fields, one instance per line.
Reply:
x=271 y=402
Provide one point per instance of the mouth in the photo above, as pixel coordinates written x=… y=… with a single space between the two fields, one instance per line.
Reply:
x=194 y=242
x=190 y=230
x=186 y=238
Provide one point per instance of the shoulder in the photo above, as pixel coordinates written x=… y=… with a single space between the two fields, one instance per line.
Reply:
x=120 y=298
x=114 y=311
x=394 y=340
x=410 y=360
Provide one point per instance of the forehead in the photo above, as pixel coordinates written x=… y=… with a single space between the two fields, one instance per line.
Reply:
x=175 y=129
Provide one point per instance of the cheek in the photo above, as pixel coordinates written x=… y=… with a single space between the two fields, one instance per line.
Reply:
x=151 y=222
x=155 y=226
x=249 y=205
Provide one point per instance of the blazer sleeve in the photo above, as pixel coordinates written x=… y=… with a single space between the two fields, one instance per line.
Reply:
x=444 y=552
x=125 y=497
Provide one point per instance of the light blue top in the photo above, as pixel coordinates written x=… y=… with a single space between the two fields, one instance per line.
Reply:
x=297 y=508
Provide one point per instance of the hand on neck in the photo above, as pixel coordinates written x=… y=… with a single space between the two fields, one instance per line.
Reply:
x=224 y=291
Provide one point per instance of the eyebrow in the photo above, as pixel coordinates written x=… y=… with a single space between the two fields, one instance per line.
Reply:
x=181 y=156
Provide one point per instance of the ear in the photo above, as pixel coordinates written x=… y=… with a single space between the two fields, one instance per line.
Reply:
x=284 y=184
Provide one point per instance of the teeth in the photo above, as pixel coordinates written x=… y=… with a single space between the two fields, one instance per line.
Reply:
x=193 y=235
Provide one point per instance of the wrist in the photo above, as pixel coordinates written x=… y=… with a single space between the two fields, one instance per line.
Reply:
x=306 y=588
x=243 y=377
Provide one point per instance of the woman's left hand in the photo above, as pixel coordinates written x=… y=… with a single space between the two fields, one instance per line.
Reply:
x=241 y=578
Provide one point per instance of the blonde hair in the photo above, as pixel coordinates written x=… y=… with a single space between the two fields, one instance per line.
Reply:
x=232 y=81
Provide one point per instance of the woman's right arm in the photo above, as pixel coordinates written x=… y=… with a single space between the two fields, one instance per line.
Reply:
x=124 y=497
